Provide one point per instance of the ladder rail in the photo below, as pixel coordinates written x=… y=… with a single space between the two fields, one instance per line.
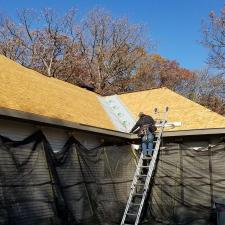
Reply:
x=132 y=188
x=151 y=168
x=150 y=172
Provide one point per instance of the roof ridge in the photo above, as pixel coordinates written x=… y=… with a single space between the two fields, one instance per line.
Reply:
x=150 y=89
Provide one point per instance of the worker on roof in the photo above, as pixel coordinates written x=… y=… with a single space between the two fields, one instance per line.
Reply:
x=145 y=127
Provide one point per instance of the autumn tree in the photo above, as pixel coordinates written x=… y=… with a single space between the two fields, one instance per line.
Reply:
x=214 y=40
x=155 y=71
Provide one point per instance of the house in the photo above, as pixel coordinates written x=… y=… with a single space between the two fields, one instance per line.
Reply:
x=66 y=149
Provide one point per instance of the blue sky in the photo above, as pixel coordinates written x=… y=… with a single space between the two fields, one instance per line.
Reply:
x=175 y=25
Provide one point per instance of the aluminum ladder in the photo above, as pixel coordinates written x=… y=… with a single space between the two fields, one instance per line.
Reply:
x=141 y=181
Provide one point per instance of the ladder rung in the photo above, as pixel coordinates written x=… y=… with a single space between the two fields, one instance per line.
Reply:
x=147 y=158
x=138 y=194
x=135 y=203
x=131 y=214
x=144 y=166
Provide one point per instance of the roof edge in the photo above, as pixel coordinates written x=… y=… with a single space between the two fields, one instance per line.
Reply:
x=38 y=119
x=148 y=89
x=208 y=131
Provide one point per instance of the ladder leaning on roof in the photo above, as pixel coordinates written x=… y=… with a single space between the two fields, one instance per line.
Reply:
x=141 y=181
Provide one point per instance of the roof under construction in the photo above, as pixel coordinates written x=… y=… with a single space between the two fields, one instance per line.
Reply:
x=27 y=91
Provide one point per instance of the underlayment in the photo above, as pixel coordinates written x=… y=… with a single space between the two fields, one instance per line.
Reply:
x=91 y=186
x=121 y=117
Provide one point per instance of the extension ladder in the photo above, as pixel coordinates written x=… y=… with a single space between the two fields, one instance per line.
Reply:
x=141 y=181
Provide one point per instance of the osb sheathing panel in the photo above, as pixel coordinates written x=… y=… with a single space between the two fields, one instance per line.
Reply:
x=181 y=109
x=28 y=91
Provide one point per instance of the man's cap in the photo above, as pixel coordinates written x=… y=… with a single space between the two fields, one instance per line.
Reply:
x=141 y=114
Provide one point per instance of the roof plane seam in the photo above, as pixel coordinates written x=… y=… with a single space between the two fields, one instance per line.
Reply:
x=118 y=112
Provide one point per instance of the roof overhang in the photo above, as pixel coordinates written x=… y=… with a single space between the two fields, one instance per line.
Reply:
x=42 y=120
x=208 y=131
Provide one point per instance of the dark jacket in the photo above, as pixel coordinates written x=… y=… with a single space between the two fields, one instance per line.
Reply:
x=144 y=120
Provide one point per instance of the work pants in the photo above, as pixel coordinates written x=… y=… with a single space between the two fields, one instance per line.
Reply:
x=147 y=143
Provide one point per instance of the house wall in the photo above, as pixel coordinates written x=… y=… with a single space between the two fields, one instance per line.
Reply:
x=88 y=184
x=57 y=137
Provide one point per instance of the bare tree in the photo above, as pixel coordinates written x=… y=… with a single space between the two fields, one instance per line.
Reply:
x=111 y=48
x=44 y=42
x=207 y=90
x=101 y=51
x=214 y=39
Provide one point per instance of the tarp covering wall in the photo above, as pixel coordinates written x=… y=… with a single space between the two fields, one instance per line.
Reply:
x=73 y=186
x=90 y=186
x=95 y=182
x=187 y=182
x=26 y=194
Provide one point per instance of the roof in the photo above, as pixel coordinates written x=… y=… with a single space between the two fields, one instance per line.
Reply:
x=28 y=91
x=32 y=95
x=191 y=115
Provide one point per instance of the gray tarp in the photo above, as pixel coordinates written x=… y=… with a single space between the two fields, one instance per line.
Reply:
x=187 y=180
x=81 y=186
x=74 y=186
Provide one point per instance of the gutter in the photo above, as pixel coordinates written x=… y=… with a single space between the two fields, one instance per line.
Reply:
x=43 y=120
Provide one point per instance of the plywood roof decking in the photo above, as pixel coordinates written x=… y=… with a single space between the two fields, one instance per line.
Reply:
x=25 y=90
x=181 y=109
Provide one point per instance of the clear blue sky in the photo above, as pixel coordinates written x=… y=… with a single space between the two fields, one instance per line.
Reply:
x=174 y=24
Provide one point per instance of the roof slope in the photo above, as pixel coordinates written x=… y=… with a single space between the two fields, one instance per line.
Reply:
x=28 y=91
x=181 y=109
